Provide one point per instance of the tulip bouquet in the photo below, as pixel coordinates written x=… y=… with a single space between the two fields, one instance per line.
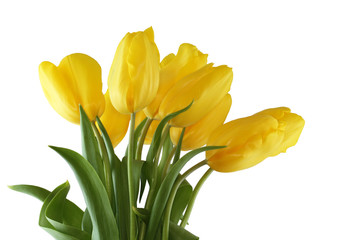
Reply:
x=178 y=104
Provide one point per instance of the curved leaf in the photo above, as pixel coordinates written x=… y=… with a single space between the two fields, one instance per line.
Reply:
x=97 y=201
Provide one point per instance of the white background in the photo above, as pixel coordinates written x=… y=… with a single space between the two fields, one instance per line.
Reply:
x=300 y=54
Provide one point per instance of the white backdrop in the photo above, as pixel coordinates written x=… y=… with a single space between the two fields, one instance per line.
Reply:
x=300 y=54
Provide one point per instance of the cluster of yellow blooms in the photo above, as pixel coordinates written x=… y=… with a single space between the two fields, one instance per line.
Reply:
x=139 y=83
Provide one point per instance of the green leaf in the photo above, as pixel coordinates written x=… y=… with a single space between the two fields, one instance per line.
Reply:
x=95 y=195
x=86 y=223
x=181 y=200
x=72 y=214
x=52 y=214
x=165 y=189
x=155 y=144
x=178 y=233
x=178 y=147
x=34 y=191
x=123 y=214
x=90 y=146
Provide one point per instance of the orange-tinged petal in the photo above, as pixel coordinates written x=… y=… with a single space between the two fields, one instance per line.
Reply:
x=196 y=135
x=252 y=139
x=115 y=123
x=77 y=80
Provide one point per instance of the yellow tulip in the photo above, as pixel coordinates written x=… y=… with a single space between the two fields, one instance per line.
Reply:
x=115 y=123
x=173 y=68
x=134 y=75
x=205 y=87
x=196 y=135
x=252 y=139
x=139 y=117
x=77 y=80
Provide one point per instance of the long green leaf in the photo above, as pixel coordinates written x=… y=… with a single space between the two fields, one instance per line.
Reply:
x=165 y=189
x=97 y=201
x=72 y=214
x=54 y=214
x=119 y=178
x=90 y=147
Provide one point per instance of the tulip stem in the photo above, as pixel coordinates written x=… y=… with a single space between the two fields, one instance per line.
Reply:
x=107 y=168
x=180 y=179
x=130 y=161
x=193 y=197
x=154 y=183
x=142 y=138
x=168 y=161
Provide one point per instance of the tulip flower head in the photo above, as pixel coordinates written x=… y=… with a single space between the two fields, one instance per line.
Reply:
x=205 y=88
x=252 y=139
x=173 y=68
x=134 y=75
x=196 y=135
x=76 y=81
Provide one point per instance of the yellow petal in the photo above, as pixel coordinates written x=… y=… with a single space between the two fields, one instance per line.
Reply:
x=77 y=80
x=252 y=139
x=196 y=135
x=115 y=123
x=134 y=75
x=173 y=68
x=205 y=87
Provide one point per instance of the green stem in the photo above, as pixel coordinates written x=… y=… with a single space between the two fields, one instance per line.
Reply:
x=130 y=161
x=142 y=138
x=107 y=168
x=193 y=197
x=168 y=161
x=153 y=186
x=181 y=178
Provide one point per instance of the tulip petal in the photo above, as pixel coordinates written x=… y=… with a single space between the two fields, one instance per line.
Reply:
x=252 y=139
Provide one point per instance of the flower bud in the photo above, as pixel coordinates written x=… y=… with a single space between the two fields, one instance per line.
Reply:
x=196 y=135
x=252 y=139
x=134 y=75
x=76 y=81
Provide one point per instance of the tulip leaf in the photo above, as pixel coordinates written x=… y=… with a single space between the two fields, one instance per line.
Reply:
x=51 y=214
x=86 y=223
x=72 y=214
x=34 y=191
x=178 y=147
x=178 y=233
x=123 y=214
x=112 y=159
x=155 y=144
x=95 y=195
x=165 y=189
x=120 y=184
x=181 y=200
x=90 y=147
